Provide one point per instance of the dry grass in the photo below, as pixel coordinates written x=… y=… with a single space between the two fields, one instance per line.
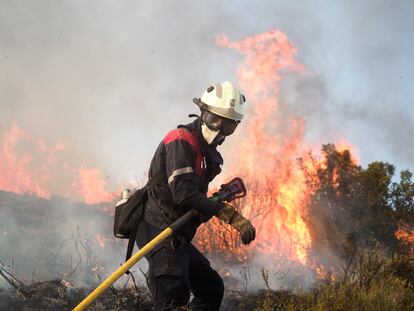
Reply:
x=374 y=282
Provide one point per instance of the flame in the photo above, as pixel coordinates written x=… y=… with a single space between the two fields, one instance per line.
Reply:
x=92 y=186
x=323 y=274
x=29 y=166
x=16 y=174
x=343 y=145
x=265 y=155
x=406 y=235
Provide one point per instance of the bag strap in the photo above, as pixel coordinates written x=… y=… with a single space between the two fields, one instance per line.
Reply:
x=131 y=244
x=152 y=182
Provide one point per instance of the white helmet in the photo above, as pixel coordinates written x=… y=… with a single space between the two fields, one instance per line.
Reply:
x=223 y=99
x=221 y=111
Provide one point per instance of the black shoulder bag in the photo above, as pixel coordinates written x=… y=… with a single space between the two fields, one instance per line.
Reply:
x=128 y=214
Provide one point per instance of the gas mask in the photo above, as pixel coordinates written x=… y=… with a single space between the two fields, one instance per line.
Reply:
x=215 y=128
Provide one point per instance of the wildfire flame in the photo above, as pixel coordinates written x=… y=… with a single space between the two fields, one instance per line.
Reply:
x=30 y=171
x=343 y=145
x=92 y=186
x=268 y=145
x=15 y=173
x=406 y=235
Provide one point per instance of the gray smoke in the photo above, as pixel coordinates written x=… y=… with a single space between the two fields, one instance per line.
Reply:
x=59 y=239
x=110 y=79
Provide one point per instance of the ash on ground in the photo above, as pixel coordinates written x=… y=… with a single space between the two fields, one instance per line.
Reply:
x=57 y=295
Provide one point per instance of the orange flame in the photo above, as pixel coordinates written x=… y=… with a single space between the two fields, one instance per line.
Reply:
x=265 y=156
x=15 y=172
x=92 y=186
x=406 y=235
x=323 y=274
x=26 y=168
x=343 y=145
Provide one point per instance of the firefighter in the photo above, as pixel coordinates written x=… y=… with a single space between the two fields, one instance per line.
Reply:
x=188 y=159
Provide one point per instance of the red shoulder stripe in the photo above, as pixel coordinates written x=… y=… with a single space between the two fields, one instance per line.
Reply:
x=181 y=134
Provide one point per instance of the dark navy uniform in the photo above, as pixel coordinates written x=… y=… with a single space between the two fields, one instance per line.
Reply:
x=188 y=164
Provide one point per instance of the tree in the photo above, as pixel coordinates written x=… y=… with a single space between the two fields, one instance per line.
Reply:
x=353 y=206
x=402 y=198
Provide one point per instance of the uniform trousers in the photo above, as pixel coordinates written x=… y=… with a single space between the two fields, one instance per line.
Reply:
x=175 y=269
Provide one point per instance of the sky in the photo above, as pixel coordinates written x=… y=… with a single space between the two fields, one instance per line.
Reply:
x=111 y=78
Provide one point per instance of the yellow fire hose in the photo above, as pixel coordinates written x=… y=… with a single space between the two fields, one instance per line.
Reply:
x=133 y=260
x=232 y=190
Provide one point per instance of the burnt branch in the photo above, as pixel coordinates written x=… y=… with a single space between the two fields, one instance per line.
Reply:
x=13 y=281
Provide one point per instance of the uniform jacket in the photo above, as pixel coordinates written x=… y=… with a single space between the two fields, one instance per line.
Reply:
x=188 y=164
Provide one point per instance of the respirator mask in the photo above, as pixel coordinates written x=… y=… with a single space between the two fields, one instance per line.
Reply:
x=215 y=128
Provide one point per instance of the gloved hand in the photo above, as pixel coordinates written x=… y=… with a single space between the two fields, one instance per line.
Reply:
x=232 y=217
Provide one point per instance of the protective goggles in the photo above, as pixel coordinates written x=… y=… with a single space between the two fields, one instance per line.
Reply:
x=215 y=123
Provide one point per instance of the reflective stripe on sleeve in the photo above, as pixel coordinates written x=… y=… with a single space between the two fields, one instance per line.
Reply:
x=180 y=171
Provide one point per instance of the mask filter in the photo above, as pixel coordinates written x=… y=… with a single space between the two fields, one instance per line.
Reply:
x=209 y=135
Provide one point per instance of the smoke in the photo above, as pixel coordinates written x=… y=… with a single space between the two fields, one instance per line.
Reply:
x=110 y=79
x=397 y=130
x=59 y=239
